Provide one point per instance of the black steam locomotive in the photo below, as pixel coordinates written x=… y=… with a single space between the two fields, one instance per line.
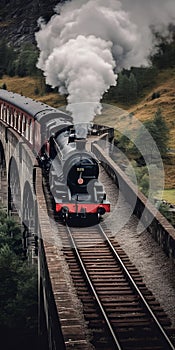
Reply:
x=72 y=170
x=73 y=178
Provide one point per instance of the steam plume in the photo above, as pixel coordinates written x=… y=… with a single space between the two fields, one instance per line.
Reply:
x=87 y=42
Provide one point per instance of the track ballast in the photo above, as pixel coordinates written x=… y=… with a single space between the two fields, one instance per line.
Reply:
x=120 y=310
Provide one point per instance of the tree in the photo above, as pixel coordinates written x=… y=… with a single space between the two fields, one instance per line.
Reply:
x=124 y=142
x=165 y=53
x=144 y=184
x=4 y=86
x=162 y=135
x=10 y=234
x=8 y=280
x=165 y=211
x=132 y=88
x=127 y=87
x=26 y=61
x=18 y=289
x=7 y=57
x=145 y=77
x=147 y=178
x=139 y=176
x=123 y=88
x=144 y=146
x=157 y=130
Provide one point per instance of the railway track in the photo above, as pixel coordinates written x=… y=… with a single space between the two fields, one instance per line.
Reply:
x=121 y=313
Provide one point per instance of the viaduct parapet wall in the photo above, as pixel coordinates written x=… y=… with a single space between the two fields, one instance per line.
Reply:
x=162 y=231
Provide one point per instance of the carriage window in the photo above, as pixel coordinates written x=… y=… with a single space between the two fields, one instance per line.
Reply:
x=20 y=123
x=4 y=113
x=30 y=130
x=12 y=118
x=8 y=113
x=17 y=120
x=24 y=125
x=1 y=109
x=15 y=116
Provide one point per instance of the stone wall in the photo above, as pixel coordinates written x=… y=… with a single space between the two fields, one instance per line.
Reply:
x=162 y=231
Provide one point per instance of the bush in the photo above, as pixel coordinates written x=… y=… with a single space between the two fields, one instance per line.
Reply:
x=164 y=209
x=155 y=95
x=4 y=86
x=36 y=91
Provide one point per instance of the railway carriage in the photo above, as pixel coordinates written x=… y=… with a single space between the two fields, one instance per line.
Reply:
x=72 y=170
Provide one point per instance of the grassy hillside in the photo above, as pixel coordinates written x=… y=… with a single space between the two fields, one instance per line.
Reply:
x=27 y=86
x=146 y=109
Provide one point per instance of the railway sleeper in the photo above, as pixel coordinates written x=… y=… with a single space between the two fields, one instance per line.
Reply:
x=115 y=287
x=144 y=344
x=131 y=323
x=127 y=316
x=129 y=308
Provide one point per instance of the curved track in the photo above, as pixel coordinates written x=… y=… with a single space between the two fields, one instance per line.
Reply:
x=120 y=311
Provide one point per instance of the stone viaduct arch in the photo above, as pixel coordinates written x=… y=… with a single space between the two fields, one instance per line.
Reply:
x=3 y=178
x=17 y=193
x=28 y=207
x=14 y=187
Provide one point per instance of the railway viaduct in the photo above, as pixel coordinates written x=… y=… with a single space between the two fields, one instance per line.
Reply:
x=17 y=174
x=22 y=196
x=22 y=193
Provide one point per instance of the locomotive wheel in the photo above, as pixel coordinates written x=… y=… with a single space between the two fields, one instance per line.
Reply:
x=66 y=217
x=98 y=217
x=94 y=219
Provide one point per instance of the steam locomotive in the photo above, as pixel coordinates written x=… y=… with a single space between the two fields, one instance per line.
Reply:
x=72 y=170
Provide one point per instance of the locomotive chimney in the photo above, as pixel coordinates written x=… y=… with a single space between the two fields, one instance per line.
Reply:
x=80 y=144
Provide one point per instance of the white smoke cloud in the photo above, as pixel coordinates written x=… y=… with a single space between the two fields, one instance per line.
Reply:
x=150 y=12
x=87 y=42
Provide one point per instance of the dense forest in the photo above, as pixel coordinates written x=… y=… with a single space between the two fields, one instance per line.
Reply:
x=18 y=289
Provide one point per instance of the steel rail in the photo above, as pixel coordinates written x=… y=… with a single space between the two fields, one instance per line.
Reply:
x=166 y=338
x=94 y=292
